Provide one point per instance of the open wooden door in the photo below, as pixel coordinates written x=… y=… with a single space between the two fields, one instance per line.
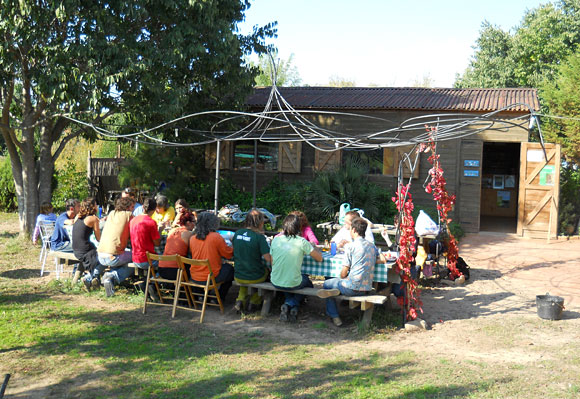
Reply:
x=539 y=191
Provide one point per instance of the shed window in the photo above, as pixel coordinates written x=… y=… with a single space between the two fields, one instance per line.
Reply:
x=384 y=161
x=244 y=155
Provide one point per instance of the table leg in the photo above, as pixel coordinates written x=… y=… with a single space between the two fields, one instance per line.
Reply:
x=268 y=298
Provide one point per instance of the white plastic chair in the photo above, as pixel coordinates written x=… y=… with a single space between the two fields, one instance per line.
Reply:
x=46 y=230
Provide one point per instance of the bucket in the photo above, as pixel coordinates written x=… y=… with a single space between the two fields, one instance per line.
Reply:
x=549 y=307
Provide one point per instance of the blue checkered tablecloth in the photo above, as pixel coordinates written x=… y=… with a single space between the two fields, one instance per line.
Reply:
x=331 y=266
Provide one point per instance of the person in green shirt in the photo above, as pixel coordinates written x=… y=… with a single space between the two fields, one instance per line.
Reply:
x=288 y=252
x=250 y=246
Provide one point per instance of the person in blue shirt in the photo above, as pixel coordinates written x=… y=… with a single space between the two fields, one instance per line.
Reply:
x=45 y=216
x=356 y=277
x=60 y=240
x=130 y=193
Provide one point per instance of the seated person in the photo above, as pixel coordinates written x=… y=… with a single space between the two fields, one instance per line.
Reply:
x=356 y=277
x=305 y=229
x=111 y=250
x=60 y=240
x=144 y=235
x=85 y=225
x=205 y=243
x=177 y=244
x=181 y=206
x=130 y=193
x=45 y=216
x=250 y=246
x=288 y=252
x=343 y=236
x=164 y=214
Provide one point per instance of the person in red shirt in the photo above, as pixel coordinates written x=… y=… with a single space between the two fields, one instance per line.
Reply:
x=207 y=244
x=144 y=235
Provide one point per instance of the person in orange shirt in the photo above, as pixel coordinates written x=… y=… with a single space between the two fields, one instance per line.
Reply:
x=207 y=244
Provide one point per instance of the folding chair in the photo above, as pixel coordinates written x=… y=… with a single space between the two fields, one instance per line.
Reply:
x=46 y=230
x=165 y=295
x=184 y=282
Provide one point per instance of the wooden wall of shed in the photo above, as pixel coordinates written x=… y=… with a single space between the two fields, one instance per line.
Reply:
x=453 y=154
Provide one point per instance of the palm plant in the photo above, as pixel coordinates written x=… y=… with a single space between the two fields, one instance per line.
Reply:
x=347 y=184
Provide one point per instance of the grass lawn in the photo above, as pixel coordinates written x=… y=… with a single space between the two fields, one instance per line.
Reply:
x=60 y=342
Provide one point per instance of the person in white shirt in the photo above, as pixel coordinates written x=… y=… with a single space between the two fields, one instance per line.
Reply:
x=343 y=236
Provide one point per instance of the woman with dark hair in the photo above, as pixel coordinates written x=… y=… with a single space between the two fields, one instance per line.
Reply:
x=205 y=243
x=305 y=229
x=250 y=246
x=288 y=252
x=45 y=216
x=87 y=223
x=177 y=244
x=181 y=206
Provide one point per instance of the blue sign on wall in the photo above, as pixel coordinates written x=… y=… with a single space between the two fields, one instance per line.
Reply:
x=471 y=163
x=470 y=173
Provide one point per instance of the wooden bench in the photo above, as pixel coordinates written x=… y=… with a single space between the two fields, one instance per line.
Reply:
x=366 y=302
x=68 y=258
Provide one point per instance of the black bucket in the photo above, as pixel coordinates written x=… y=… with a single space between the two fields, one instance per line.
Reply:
x=550 y=307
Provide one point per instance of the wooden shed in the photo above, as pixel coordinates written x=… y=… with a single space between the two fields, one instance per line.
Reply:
x=502 y=180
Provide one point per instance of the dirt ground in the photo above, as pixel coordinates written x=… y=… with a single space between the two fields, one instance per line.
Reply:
x=471 y=321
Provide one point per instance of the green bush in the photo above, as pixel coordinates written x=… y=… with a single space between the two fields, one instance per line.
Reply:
x=349 y=184
x=69 y=182
x=8 y=202
x=569 y=200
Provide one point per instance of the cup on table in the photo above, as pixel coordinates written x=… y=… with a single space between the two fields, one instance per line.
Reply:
x=333 y=248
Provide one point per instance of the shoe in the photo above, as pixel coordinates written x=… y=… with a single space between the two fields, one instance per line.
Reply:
x=87 y=283
x=328 y=293
x=336 y=321
x=108 y=283
x=284 y=312
x=238 y=306
x=153 y=294
x=95 y=283
x=293 y=317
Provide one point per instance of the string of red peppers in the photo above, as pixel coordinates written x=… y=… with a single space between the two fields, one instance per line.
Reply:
x=407 y=243
x=445 y=201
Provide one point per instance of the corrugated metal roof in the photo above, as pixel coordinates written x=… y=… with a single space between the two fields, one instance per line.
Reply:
x=403 y=98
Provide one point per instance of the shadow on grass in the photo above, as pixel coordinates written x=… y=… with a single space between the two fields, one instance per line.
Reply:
x=23 y=298
x=20 y=274
x=154 y=356
x=7 y=234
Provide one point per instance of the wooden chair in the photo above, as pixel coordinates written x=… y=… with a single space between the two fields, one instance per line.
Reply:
x=183 y=282
x=166 y=295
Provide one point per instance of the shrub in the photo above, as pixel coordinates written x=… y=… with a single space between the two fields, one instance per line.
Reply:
x=8 y=202
x=70 y=181
x=569 y=199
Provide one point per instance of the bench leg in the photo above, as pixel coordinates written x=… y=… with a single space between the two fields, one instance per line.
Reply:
x=268 y=298
x=367 y=316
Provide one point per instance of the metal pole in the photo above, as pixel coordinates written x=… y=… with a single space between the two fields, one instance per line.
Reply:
x=255 y=167
x=217 y=177
x=4 y=385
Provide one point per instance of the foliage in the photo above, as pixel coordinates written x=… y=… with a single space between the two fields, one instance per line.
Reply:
x=545 y=37
x=7 y=189
x=561 y=97
x=286 y=73
x=407 y=245
x=437 y=186
x=347 y=184
x=70 y=182
x=569 y=214
x=339 y=81
x=148 y=61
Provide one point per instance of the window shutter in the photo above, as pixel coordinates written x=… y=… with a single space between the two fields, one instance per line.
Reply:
x=225 y=155
x=400 y=153
x=324 y=160
x=289 y=157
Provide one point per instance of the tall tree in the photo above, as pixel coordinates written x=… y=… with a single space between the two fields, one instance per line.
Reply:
x=561 y=97
x=151 y=60
x=286 y=73
x=545 y=37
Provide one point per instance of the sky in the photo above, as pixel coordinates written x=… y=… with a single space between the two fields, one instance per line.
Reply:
x=382 y=42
